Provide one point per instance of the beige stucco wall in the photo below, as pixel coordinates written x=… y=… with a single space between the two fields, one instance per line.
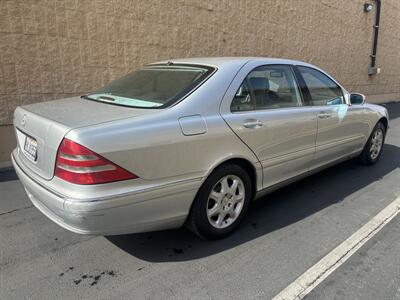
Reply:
x=52 y=49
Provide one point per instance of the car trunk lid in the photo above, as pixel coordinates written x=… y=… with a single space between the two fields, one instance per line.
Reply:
x=41 y=127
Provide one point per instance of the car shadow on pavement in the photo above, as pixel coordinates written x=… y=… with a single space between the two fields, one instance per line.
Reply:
x=8 y=175
x=393 y=109
x=277 y=210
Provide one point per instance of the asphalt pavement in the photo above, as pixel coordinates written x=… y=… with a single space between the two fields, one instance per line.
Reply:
x=284 y=234
x=371 y=273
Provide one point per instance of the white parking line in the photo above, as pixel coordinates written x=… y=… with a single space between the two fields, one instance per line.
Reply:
x=304 y=284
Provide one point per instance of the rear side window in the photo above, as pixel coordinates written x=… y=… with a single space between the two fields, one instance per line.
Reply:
x=323 y=90
x=267 y=87
x=152 y=87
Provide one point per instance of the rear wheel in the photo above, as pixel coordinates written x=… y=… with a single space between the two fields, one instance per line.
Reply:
x=373 y=148
x=221 y=202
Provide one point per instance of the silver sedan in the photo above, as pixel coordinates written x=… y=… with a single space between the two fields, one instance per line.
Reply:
x=188 y=141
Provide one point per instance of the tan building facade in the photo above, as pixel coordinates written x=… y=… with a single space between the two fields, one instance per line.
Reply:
x=53 y=49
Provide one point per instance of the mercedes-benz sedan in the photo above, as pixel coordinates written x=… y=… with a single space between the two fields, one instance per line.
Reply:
x=188 y=141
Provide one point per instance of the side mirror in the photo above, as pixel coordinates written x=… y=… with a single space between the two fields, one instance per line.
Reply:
x=356 y=98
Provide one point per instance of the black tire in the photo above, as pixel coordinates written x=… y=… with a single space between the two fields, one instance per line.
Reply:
x=198 y=221
x=366 y=157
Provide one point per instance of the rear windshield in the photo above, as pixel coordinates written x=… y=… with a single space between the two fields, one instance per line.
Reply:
x=156 y=86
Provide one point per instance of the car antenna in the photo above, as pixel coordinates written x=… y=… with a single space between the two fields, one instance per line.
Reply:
x=169 y=63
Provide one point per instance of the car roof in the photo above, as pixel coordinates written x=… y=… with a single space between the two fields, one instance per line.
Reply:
x=238 y=61
x=223 y=61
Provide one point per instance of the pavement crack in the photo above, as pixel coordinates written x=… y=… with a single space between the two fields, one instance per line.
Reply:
x=76 y=243
x=15 y=210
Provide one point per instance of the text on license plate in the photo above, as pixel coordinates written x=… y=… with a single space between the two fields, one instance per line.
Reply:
x=30 y=148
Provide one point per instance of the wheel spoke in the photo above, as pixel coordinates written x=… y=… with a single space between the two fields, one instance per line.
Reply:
x=234 y=187
x=214 y=210
x=237 y=198
x=220 y=219
x=224 y=185
x=216 y=196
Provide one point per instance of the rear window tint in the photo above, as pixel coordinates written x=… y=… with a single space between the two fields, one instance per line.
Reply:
x=155 y=86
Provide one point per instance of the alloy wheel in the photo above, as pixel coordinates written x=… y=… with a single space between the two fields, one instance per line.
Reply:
x=376 y=143
x=225 y=201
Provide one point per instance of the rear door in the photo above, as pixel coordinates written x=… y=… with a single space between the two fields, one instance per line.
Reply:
x=340 y=126
x=263 y=106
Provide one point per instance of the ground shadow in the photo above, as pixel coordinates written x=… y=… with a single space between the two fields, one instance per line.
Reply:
x=277 y=210
x=393 y=108
x=8 y=175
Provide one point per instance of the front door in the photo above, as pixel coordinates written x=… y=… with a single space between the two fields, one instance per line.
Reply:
x=340 y=126
x=267 y=114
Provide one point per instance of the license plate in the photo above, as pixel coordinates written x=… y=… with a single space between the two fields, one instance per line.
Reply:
x=30 y=148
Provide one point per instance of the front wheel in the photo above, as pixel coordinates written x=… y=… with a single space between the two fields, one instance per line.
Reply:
x=373 y=148
x=221 y=202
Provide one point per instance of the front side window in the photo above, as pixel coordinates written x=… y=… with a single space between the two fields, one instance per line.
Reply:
x=154 y=86
x=267 y=87
x=323 y=90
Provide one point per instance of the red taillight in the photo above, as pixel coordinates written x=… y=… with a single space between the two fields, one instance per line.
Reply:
x=80 y=165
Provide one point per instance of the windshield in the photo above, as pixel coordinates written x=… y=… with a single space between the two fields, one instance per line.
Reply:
x=154 y=86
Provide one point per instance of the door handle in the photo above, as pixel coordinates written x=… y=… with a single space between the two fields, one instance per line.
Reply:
x=252 y=123
x=324 y=115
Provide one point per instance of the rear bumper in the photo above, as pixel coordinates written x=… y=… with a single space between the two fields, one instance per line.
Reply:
x=163 y=208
